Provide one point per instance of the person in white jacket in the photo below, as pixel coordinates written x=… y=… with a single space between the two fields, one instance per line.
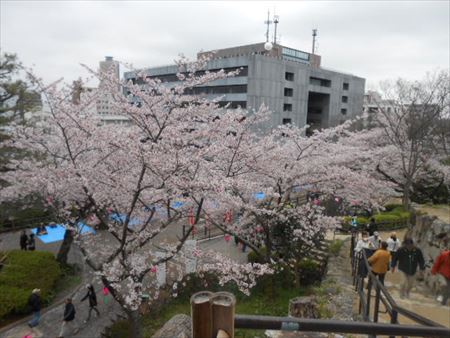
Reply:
x=375 y=240
x=393 y=243
x=363 y=243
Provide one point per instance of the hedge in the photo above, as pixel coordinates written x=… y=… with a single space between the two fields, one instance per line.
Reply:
x=24 y=271
x=394 y=216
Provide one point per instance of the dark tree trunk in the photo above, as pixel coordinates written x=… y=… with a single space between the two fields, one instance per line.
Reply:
x=135 y=324
x=65 y=247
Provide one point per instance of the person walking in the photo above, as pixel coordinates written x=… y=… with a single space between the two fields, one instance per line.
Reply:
x=375 y=240
x=31 y=243
x=442 y=266
x=23 y=240
x=393 y=244
x=379 y=261
x=363 y=243
x=35 y=304
x=408 y=257
x=69 y=316
x=92 y=301
x=372 y=227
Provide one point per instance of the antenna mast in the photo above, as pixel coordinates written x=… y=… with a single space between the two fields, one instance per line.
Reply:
x=268 y=23
x=314 y=34
x=276 y=20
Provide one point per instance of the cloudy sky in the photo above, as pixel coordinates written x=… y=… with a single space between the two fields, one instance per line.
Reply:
x=373 y=39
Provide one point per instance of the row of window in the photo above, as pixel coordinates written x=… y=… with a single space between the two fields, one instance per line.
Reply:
x=232 y=89
x=243 y=71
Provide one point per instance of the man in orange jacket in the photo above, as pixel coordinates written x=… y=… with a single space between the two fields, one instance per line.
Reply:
x=442 y=266
x=379 y=261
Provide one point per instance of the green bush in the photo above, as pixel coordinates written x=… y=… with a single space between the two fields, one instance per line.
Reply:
x=254 y=258
x=394 y=216
x=335 y=247
x=310 y=272
x=23 y=272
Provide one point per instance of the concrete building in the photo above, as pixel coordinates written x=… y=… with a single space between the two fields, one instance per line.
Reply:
x=290 y=82
x=104 y=103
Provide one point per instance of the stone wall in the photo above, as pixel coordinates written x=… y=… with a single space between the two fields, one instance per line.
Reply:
x=429 y=235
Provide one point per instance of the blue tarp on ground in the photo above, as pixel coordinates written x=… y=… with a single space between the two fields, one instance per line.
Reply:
x=121 y=218
x=57 y=233
x=259 y=195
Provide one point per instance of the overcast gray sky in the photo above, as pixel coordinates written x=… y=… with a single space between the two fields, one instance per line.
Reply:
x=373 y=39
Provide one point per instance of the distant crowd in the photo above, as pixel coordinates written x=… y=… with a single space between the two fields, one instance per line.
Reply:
x=390 y=254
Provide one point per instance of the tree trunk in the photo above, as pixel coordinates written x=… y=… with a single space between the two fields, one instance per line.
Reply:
x=65 y=247
x=135 y=324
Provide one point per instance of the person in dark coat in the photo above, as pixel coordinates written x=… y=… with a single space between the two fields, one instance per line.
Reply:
x=31 y=243
x=69 y=316
x=34 y=302
x=23 y=240
x=92 y=301
x=408 y=257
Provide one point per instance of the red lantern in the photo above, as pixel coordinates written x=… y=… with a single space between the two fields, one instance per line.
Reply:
x=228 y=217
x=227 y=237
x=191 y=217
x=153 y=269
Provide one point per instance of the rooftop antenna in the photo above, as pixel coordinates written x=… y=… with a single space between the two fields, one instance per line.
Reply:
x=314 y=34
x=276 y=20
x=268 y=23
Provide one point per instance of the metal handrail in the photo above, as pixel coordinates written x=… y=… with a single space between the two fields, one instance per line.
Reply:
x=324 y=325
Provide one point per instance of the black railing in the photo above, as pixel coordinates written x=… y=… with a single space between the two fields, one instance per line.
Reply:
x=361 y=270
x=336 y=326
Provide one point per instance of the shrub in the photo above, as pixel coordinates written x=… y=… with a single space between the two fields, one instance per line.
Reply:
x=254 y=258
x=310 y=272
x=335 y=247
x=23 y=272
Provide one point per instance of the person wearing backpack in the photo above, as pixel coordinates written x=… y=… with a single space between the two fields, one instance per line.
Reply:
x=69 y=316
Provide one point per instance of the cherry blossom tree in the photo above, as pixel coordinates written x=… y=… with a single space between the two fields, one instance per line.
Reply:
x=180 y=157
x=415 y=127
x=128 y=180
x=283 y=166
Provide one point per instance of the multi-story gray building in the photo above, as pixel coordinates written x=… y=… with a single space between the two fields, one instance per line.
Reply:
x=290 y=82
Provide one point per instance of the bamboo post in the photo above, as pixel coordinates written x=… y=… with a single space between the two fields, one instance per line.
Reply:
x=201 y=314
x=223 y=310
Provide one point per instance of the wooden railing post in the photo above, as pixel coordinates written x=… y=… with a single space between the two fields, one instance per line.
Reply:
x=223 y=309
x=201 y=314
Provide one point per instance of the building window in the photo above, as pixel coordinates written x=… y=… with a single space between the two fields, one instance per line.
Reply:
x=289 y=76
x=345 y=86
x=319 y=82
x=344 y=99
x=288 y=92
x=287 y=107
x=287 y=121
x=344 y=111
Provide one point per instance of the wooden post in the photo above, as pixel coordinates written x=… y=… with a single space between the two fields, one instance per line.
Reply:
x=201 y=314
x=223 y=309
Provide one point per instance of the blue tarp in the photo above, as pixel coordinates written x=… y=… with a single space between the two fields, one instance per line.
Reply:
x=122 y=217
x=260 y=195
x=57 y=233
